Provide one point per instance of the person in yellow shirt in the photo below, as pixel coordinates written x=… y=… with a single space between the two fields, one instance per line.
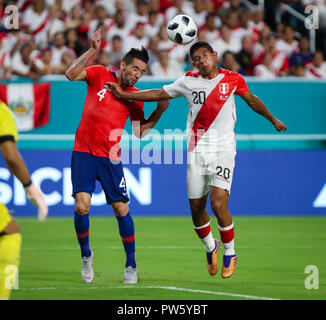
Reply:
x=10 y=237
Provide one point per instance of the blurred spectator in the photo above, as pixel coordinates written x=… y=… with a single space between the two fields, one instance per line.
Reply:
x=22 y=64
x=153 y=51
x=257 y=21
x=5 y=64
x=55 y=24
x=118 y=26
x=13 y=40
x=236 y=5
x=66 y=60
x=226 y=42
x=303 y=55
x=266 y=69
x=141 y=14
x=280 y=60
x=244 y=56
x=232 y=20
x=198 y=11
x=58 y=49
x=244 y=28
x=287 y=44
x=36 y=22
x=101 y=18
x=138 y=39
x=229 y=61
x=75 y=19
x=179 y=7
x=72 y=42
x=43 y=63
x=176 y=51
x=165 y=67
x=89 y=9
x=280 y=30
x=153 y=26
x=116 y=53
x=262 y=43
x=210 y=28
x=103 y=59
x=317 y=68
x=299 y=70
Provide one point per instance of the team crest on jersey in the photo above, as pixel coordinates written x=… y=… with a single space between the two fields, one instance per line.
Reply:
x=224 y=88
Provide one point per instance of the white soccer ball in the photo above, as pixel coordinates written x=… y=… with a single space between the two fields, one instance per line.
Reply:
x=182 y=29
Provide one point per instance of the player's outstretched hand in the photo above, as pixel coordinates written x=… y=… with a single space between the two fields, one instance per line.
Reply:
x=96 y=39
x=36 y=197
x=279 y=125
x=114 y=88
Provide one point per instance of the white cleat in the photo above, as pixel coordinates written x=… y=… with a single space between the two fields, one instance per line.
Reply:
x=130 y=275
x=36 y=197
x=87 y=271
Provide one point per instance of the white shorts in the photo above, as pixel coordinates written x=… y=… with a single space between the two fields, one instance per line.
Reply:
x=207 y=170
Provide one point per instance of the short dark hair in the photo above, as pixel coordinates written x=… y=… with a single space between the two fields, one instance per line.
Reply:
x=140 y=54
x=198 y=45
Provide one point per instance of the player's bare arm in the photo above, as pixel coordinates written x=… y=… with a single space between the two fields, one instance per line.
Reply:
x=258 y=106
x=77 y=72
x=142 y=128
x=146 y=95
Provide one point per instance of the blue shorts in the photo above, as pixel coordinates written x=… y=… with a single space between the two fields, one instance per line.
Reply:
x=86 y=169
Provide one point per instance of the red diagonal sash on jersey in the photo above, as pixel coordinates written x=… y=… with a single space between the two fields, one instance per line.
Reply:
x=205 y=117
x=42 y=26
x=2 y=58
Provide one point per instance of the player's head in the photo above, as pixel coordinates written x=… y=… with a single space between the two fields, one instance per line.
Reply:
x=133 y=66
x=203 y=57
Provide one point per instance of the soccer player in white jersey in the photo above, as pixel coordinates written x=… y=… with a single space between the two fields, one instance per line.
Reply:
x=211 y=143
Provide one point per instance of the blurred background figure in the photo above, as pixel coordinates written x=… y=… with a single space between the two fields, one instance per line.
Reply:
x=317 y=68
x=166 y=67
x=265 y=70
x=226 y=42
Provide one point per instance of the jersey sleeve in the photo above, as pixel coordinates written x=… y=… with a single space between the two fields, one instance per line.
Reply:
x=8 y=130
x=94 y=73
x=175 y=89
x=242 y=87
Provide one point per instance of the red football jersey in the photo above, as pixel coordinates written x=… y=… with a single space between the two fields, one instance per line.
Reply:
x=104 y=117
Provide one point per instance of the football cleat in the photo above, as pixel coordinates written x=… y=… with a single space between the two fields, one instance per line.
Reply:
x=130 y=275
x=229 y=266
x=36 y=197
x=87 y=271
x=211 y=257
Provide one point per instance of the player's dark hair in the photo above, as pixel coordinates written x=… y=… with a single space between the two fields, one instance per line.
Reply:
x=140 y=54
x=198 y=45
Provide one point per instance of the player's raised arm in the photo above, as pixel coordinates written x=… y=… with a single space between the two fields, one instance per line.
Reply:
x=77 y=72
x=146 y=95
x=258 y=106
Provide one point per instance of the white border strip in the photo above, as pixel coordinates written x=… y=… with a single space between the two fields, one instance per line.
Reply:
x=240 y=137
x=218 y=293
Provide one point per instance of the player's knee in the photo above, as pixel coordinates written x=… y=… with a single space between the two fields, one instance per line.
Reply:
x=82 y=208
x=219 y=206
x=120 y=208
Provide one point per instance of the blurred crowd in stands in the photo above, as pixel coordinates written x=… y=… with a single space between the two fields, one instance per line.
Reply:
x=53 y=33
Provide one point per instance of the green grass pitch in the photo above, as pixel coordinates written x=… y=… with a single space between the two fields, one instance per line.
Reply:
x=273 y=254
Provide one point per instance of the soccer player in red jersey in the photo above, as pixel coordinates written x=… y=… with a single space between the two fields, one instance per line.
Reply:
x=211 y=143
x=96 y=152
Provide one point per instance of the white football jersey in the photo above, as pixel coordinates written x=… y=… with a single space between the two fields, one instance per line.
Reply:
x=212 y=112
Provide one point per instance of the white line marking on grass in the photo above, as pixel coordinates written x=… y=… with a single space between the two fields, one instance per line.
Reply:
x=236 y=295
x=176 y=247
